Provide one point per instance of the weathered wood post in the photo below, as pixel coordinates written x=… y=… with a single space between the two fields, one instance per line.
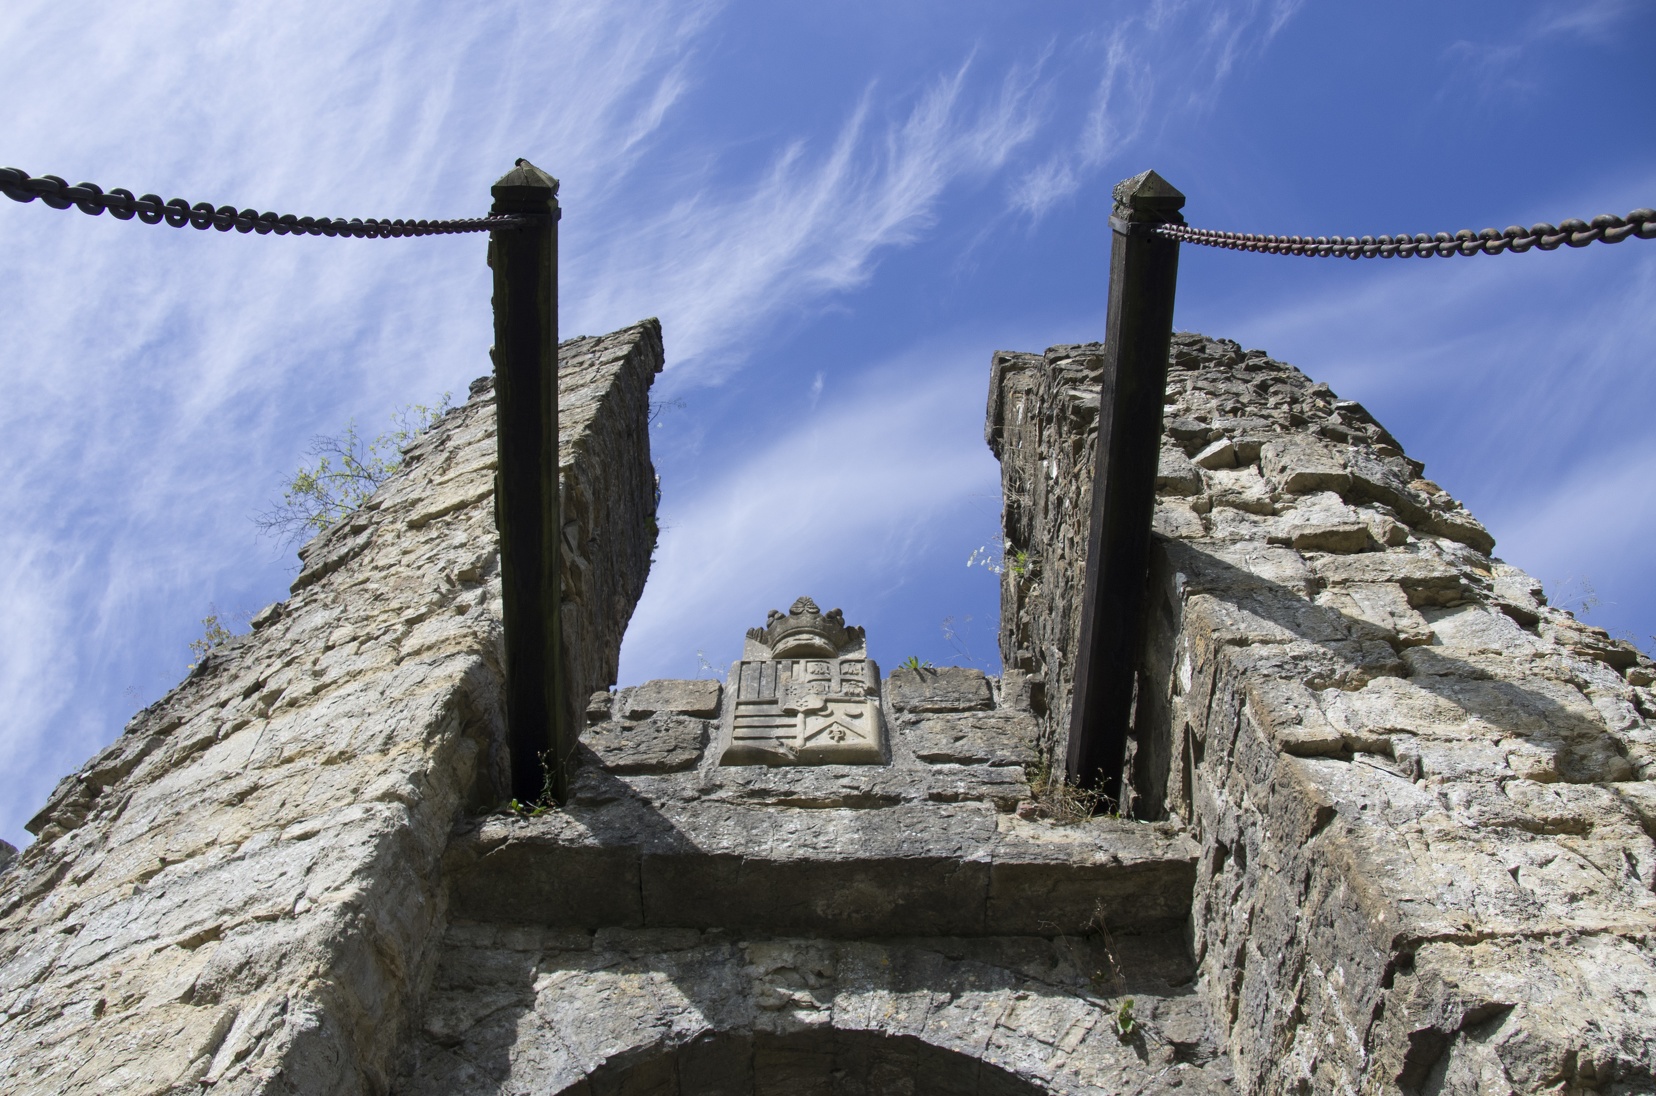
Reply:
x=525 y=261
x=1144 y=271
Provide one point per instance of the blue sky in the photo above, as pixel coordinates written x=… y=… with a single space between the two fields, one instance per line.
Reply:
x=838 y=212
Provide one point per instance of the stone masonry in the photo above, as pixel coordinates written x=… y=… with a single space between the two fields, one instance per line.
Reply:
x=1424 y=797
x=244 y=891
x=1388 y=828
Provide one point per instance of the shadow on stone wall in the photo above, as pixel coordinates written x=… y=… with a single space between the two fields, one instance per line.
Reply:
x=804 y=1064
x=1323 y=648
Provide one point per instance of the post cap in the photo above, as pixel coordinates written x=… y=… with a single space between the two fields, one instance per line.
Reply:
x=525 y=182
x=1147 y=194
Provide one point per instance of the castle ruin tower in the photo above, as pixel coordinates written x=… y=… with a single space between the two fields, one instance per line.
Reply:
x=1385 y=825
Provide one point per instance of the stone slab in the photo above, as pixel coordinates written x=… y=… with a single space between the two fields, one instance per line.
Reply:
x=938 y=689
x=913 y=869
x=677 y=1013
x=660 y=744
x=973 y=738
x=687 y=697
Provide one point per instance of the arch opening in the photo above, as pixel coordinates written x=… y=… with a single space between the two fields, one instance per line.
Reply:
x=810 y=1063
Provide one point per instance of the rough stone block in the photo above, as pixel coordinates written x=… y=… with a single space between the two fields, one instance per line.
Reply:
x=1343 y=538
x=1177 y=520
x=1187 y=430
x=1219 y=454
x=1590 y=642
x=1458 y=525
x=1022 y=691
x=687 y=697
x=1241 y=489
x=1299 y=464
x=1381 y=605
x=972 y=738
x=938 y=689
x=1426 y=580
x=915 y=869
x=661 y=744
x=595 y=886
x=1175 y=474
x=1476 y=628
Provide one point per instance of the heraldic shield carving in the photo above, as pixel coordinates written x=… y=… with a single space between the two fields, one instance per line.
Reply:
x=804 y=693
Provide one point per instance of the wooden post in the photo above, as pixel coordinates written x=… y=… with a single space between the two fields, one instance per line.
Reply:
x=525 y=261
x=1143 y=274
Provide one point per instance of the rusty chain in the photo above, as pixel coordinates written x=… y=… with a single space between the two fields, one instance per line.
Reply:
x=1605 y=228
x=92 y=199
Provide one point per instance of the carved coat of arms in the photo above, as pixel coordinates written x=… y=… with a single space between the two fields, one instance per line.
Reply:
x=804 y=693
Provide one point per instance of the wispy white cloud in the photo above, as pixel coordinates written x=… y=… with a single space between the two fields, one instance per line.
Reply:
x=1521 y=380
x=1108 y=126
x=1175 y=51
x=835 y=504
x=158 y=381
x=1507 y=64
x=1591 y=19
x=1587 y=531
x=719 y=265
x=156 y=373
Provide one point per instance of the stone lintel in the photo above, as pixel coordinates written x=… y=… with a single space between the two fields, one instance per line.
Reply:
x=911 y=870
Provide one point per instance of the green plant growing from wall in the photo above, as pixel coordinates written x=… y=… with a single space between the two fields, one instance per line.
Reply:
x=1125 y=1024
x=1056 y=798
x=912 y=662
x=347 y=470
x=213 y=634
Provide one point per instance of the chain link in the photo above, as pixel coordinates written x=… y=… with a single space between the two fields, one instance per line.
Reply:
x=1605 y=228
x=92 y=199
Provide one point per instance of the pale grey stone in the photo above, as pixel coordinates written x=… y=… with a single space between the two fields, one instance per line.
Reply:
x=1241 y=489
x=803 y=693
x=1219 y=454
x=972 y=738
x=245 y=889
x=1297 y=464
x=266 y=616
x=712 y=1014
x=1178 y=521
x=661 y=744
x=1405 y=769
x=1175 y=474
x=1398 y=806
x=938 y=689
x=688 y=697
x=1426 y=580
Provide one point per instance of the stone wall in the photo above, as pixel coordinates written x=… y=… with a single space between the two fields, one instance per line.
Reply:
x=244 y=890
x=1392 y=833
x=608 y=492
x=686 y=926
x=1424 y=797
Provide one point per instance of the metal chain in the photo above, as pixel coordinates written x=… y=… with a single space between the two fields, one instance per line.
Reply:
x=90 y=198
x=1605 y=228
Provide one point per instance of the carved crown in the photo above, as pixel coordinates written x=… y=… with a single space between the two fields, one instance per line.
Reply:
x=805 y=631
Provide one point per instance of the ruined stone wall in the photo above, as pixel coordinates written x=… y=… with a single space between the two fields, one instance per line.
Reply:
x=244 y=891
x=608 y=492
x=1424 y=798
x=690 y=927
x=1042 y=425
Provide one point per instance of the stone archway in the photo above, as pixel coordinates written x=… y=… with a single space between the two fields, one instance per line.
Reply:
x=825 y=1062
x=675 y=1012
